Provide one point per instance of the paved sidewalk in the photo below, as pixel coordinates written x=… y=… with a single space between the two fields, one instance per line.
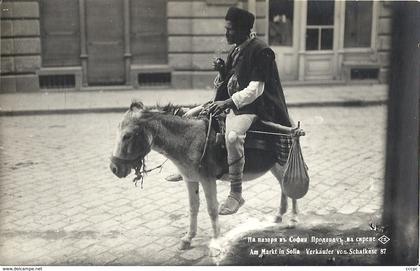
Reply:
x=118 y=100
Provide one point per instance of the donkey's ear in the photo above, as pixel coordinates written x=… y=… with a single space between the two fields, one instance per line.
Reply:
x=136 y=105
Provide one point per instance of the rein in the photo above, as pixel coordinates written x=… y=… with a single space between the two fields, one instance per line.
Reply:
x=140 y=168
x=140 y=171
x=207 y=140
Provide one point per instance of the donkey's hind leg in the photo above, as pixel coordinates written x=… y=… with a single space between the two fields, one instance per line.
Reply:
x=294 y=219
x=277 y=171
x=194 y=201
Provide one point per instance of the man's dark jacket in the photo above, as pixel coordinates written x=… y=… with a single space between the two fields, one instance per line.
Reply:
x=256 y=62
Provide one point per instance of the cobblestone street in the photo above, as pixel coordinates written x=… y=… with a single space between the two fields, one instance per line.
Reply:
x=61 y=205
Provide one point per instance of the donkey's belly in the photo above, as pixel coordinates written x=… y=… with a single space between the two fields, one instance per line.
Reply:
x=257 y=163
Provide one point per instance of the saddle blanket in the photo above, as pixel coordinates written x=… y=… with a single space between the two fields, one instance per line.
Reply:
x=278 y=143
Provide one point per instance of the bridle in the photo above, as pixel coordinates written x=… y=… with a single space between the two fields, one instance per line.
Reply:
x=138 y=164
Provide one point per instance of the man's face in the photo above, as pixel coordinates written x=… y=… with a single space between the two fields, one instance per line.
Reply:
x=231 y=34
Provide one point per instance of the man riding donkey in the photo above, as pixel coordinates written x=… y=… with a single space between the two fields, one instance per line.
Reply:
x=247 y=87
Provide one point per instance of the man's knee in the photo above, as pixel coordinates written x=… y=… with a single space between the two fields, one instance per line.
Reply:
x=232 y=137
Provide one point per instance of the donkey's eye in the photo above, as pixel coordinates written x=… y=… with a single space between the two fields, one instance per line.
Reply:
x=126 y=137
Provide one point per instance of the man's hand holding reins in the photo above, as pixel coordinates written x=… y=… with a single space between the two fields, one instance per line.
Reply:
x=218 y=107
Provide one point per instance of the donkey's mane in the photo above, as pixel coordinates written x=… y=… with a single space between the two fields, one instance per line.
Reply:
x=170 y=108
x=165 y=115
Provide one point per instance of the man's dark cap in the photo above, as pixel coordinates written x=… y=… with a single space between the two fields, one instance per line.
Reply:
x=240 y=18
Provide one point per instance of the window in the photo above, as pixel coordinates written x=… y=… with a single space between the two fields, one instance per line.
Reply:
x=281 y=22
x=154 y=79
x=358 y=24
x=320 y=25
x=57 y=81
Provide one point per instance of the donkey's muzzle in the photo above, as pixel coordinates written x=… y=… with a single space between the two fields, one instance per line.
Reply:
x=120 y=170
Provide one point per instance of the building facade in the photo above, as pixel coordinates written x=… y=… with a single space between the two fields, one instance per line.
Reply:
x=84 y=44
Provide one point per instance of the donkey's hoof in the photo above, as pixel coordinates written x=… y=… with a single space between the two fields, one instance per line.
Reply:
x=293 y=223
x=184 y=245
x=215 y=248
x=215 y=252
x=278 y=219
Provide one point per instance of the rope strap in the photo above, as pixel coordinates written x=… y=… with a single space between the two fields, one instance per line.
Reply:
x=207 y=140
x=141 y=170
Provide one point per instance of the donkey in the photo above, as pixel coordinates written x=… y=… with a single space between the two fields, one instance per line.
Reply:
x=183 y=140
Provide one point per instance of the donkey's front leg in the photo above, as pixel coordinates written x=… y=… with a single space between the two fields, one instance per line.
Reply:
x=210 y=192
x=194 y=201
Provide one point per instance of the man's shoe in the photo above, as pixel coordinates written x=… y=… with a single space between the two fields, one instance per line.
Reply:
x=174 y=178
x=231 y=205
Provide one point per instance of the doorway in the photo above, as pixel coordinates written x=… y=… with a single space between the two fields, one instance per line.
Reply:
x=319 y=41
x=105 y=42
x=283 y=36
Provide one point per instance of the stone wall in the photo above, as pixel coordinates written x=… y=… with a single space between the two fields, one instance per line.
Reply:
x=384 y=39
x=196 y=36
x=20 y=46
